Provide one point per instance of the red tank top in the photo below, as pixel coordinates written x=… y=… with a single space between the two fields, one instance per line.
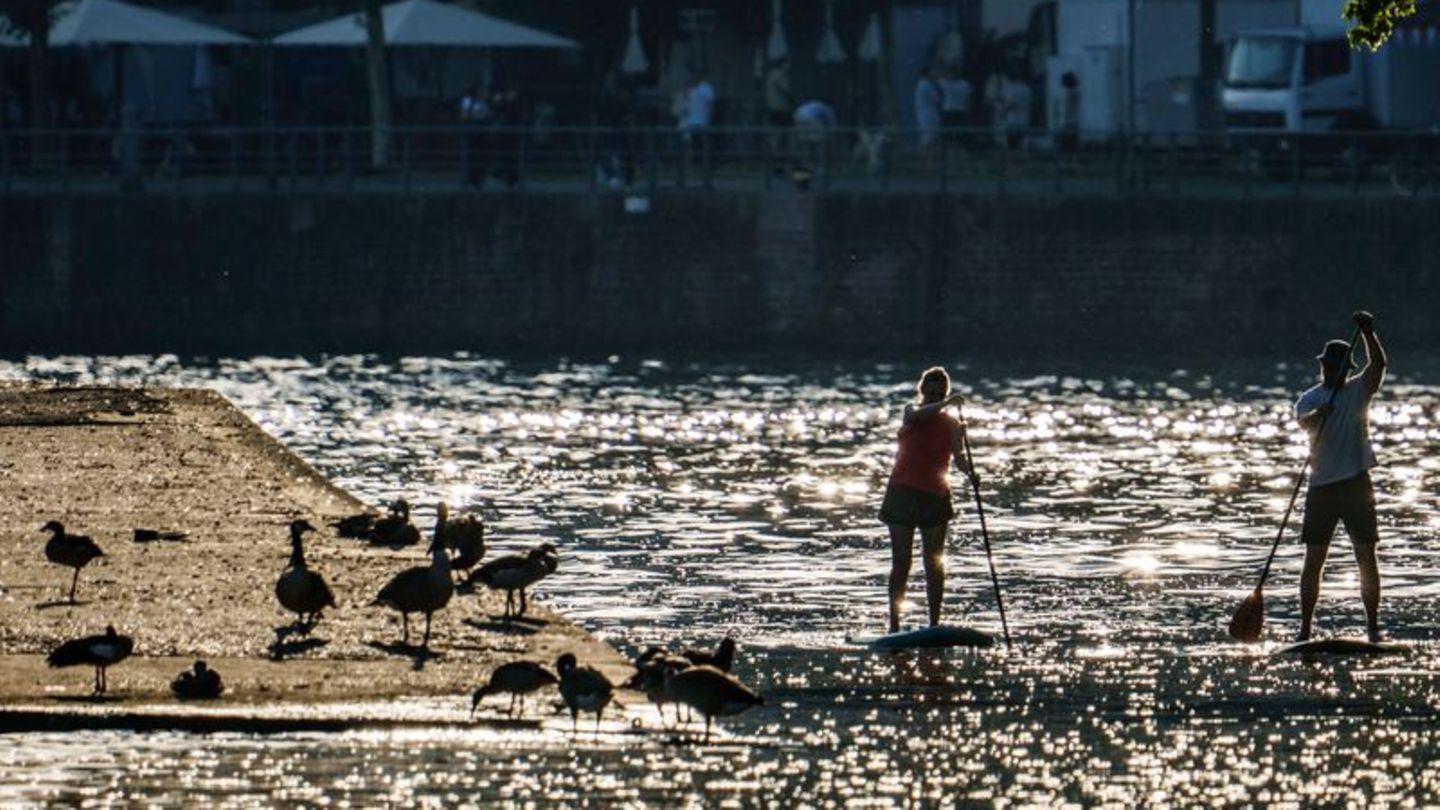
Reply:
x=923 y=460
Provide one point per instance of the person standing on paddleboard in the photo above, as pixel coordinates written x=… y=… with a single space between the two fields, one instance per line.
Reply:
x=1338 y=422
x=918 y=494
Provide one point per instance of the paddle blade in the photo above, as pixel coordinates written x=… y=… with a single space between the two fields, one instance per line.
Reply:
x=1249 y=618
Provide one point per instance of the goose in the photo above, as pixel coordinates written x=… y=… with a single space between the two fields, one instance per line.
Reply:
x=519 y=678
x=300 y=590
x=652 y=669
x=722 y=659
x=465 y=536
x=422 y=589
x=711 y=691
x=395 y=529
x=198 y=683
x=151 y=535
x=96 y=651
x=358 y=527
x=74 y=550
x=516 y=572
x=583 y=688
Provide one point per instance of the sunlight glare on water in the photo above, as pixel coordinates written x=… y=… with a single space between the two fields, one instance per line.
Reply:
x=1129 y=512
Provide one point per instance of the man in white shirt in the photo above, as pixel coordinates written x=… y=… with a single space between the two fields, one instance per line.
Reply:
x=1336 y=414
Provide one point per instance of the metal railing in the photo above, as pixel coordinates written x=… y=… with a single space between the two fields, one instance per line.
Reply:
x=648 y=160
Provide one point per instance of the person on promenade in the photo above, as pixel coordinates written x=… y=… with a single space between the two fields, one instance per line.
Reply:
x=1336 y=414
x=929 y=101
x=779 y=106
x=475 y=117
x=918 y=493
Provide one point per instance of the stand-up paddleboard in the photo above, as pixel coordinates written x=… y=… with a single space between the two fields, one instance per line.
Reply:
x=1343 y=646
x=930 y=637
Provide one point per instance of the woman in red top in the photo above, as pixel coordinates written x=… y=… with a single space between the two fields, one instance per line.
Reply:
x=918 y=495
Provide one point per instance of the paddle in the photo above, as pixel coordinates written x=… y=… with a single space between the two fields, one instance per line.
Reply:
x=984 y=531
x=1250 y=617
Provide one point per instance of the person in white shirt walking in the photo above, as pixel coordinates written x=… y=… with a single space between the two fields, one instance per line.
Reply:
x=1336 y=414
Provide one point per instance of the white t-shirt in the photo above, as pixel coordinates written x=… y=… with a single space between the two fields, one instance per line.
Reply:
x=1343 y=449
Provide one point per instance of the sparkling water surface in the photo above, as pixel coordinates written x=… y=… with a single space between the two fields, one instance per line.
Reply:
x=1129 y=512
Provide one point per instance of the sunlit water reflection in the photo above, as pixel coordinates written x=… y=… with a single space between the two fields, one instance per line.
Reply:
x=1128 y=512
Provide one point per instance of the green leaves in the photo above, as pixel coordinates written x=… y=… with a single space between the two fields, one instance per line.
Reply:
x=1374 y=20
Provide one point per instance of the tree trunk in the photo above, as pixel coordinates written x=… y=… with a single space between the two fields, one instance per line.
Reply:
x=1206 y=104
x=379 y=80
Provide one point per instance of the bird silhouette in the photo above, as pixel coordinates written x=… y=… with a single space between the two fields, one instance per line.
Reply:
x=422 y=589
x=97 y=651
x=73 y=550
x=300 y=590
x=514 y=573
x=583 y=689
x=711 y=692
x=518 y=679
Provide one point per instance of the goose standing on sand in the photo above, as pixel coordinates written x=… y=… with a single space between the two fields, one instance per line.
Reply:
x=73 y=550
x=300 y=590
x=464 y=535
x=516 y=572
x=395 y=529
x=198 y=683
x=722 y=659
x=652 y=669
x=583 y=689
x=711 y=692
x=423 y=589
x=518 y=678
x=96 y=651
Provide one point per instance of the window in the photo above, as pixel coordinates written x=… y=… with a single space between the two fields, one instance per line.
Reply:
x=1261 y=62
x=1326 y=58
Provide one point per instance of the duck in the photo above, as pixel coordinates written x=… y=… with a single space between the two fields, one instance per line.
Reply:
x=197 y=683
x=516 y=572
x=97 y=651
x=583 y=689
x=151 y=535
x=300 y=590
x=652 y=669
x=395 y=529
x=519 y=678
x=465 y=536
x=422 y=589
x=73 y=550
x=722 y=658
x=711 y=691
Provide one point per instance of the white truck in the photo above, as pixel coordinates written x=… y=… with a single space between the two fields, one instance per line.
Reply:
x=1291 y=86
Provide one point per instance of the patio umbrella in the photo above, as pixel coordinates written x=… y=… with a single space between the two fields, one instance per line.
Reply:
x=111 y=22
x=425 y=22
x=634 y=61
x=775 y=47
x=870 y=47
x=830 y=51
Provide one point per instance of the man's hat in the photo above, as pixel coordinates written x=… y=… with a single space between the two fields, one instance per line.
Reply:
x=1336 y=351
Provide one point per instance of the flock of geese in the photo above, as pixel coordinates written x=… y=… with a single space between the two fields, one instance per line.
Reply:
x=695 y=678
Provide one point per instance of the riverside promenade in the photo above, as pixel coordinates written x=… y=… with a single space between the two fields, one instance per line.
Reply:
x=107 y=460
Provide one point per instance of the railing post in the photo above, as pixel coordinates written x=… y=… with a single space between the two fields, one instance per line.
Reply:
x=320 y=154
x=234 y=160
x=825 y=161
x=65 y=161
x=1172 y=159
x=405 y=162
x=884 y=161
x=521 y=162
x=706 y=143
x=1295 y=166
x=5 y=160
x=944 y=180
x=179 y=148
x=294 y=160
x=349 y=159
x=652 y=169
x=768 y=165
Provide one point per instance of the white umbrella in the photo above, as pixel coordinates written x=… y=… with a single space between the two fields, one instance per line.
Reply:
x=870 y=47
x=830 y=51
x=634 y=61
x=110 y=22
x=775 y=47
x=425 y=22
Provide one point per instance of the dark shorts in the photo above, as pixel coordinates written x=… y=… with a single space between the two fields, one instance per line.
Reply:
x=1351 y=500
x=907 y=506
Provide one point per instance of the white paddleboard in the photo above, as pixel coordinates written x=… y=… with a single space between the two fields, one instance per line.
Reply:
x=1342 y=646
x=930 y=637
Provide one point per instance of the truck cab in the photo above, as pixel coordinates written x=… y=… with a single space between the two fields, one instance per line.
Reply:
x=1294 y=80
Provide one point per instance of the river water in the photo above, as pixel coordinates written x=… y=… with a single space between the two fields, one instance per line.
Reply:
x=1129 y=511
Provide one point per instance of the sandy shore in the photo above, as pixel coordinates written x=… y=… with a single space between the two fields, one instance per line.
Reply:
x=105 y=461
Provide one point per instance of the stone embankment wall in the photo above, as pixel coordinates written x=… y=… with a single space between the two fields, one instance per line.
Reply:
x=701 y=271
